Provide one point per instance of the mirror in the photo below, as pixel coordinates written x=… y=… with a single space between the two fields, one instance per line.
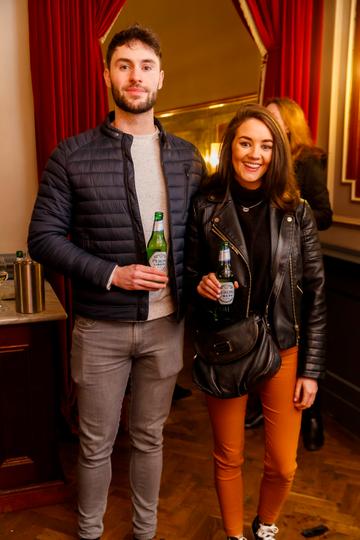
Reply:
x=204 y=125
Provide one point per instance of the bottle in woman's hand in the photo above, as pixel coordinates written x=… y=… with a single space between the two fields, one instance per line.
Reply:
x=225 y=275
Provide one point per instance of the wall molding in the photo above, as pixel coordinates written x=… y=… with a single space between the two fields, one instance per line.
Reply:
x=346 y=220
x=348 y=95
x=344 y=27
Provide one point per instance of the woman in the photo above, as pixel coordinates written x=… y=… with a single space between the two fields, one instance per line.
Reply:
x=309 y=160
x=250 y=202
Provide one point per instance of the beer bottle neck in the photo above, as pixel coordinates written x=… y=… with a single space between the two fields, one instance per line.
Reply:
x=158 y=225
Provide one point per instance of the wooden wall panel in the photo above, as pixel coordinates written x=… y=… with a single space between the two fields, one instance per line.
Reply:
x=341 y=387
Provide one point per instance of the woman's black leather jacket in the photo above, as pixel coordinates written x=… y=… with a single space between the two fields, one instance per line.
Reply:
x=298 y=313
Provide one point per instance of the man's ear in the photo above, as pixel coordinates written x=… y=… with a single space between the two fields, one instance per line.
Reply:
x=107 y=77
x=161 y=79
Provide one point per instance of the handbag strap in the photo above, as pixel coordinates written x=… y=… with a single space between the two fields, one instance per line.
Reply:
x=284 y=256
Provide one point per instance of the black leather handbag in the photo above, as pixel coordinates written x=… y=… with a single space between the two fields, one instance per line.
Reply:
x=233 y=360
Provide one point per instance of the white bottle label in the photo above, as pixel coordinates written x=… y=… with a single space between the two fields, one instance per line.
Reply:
x=227 y=293
x=158 y=226
x=159 y=260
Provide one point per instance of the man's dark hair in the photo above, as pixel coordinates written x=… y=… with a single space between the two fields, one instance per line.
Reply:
x=134 y=33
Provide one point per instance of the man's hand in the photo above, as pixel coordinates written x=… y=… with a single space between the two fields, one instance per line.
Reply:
x=136 y=277
x=305 y=392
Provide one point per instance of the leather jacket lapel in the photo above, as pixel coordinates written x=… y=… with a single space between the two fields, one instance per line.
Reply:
x=226 y=221
x=281 y=238
x=274 y=237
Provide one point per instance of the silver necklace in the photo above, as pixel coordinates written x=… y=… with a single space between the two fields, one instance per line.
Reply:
x=247 y=208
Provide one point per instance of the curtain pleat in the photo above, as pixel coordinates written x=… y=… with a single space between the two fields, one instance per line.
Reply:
x=67 y=67
x=291 y=31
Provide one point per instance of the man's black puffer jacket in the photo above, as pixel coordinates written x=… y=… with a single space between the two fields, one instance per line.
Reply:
x=86 y=217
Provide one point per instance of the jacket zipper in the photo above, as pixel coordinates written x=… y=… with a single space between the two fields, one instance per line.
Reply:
x=172 y=272
x=126 y=163
x=187 y=174
x=238 y=252
x=296 y=326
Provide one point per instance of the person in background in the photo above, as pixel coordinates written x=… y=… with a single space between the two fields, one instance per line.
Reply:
x=310 y=172
x=92 y=219
x=309 y=160
x=252 y=203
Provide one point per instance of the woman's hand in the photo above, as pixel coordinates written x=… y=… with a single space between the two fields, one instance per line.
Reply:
x=210 y=287
x=305 y=392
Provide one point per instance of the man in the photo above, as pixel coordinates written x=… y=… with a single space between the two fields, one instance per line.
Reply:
x=92 y=220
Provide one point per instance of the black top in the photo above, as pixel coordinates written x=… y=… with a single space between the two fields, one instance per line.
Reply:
x=310 y=171
x=253 y=213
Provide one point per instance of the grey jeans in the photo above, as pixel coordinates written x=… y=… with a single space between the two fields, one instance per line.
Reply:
x=104 y=355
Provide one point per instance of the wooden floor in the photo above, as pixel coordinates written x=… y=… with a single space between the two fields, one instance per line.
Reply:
x=326 y=488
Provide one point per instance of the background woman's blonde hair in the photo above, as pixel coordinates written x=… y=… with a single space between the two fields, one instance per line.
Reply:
x=294 y=119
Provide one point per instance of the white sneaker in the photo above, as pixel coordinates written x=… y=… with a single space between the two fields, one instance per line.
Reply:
x=264 y=532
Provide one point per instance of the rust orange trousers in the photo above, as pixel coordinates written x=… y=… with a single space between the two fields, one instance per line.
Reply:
x=281 y=431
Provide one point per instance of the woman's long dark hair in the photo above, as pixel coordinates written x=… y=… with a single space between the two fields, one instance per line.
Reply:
x=278 y=182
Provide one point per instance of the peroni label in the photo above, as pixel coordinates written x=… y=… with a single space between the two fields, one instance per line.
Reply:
x=227 y=293
x=158 y=260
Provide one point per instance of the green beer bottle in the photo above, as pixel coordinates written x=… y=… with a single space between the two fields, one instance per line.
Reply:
x=157 y=246
x=226 y=277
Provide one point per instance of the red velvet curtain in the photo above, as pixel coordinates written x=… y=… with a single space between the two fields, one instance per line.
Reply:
x=67 y=67
x=291 y=32
x=70 y=96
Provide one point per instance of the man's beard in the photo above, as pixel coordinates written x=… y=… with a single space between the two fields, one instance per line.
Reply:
x=132 y=107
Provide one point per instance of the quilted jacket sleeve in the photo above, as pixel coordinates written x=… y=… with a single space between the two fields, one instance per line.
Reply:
x=48 y=239
x=193 y=258
x=313 y=333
